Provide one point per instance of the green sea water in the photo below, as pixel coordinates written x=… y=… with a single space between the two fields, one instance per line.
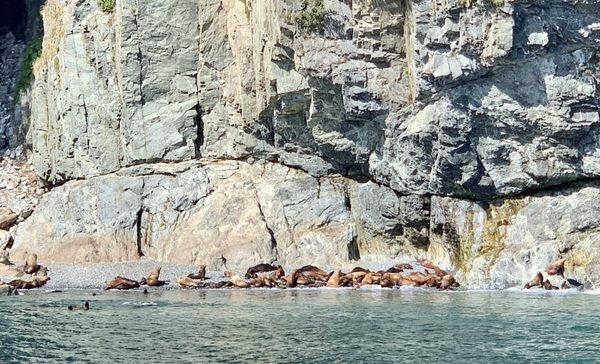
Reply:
x=301 y=326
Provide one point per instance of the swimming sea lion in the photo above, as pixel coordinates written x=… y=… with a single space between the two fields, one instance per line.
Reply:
x=35 y=282
x=260 y=268
x=238 y=282
x=86 y=307
x=31 y=265
x=121 y=283
x=535 y=282
x=334 y=279
x=557 y=267
x=201 y=275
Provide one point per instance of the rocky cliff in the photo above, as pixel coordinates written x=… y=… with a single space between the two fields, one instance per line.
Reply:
x=320 y=131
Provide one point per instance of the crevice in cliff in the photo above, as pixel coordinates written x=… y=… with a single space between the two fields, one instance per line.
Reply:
x=199 y=141
x=264 y=219
x=139 y=232
x=353 y=249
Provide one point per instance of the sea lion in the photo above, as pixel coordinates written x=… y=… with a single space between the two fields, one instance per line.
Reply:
x=334 y=279
x=201 y=274
x=291 y=280
x=359 y=269
x=311 y=268
x=303 y=280
x=153 y=279
x=395 y=279
x=404 y=266
x=315 y=275
x=186 y=282
x=228 y=274
x=548 y=286
x=394 y=270
x=260 y=268
x=42 y=272
x=426 y=263
x=35 y=282
x=278 y=273
x=31 y=265
x=86 y=307
x=238 y=282
x=535 y=282
x=557 y=267
x=367 y=279
x=121 y=283
x=447 y=282
x=262 y=281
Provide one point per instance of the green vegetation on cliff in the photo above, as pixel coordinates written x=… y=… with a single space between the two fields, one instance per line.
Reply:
x=32 y=53
x=107 y=6
x=310 y=18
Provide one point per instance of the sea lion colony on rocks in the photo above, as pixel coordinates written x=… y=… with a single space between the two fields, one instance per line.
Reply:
x=424 y=273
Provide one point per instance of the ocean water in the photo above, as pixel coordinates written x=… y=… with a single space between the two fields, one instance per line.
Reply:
x=301 y=326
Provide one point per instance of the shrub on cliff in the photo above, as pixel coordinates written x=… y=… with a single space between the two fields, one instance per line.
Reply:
x=107 y=6
x=32 y=52
x=310 y=18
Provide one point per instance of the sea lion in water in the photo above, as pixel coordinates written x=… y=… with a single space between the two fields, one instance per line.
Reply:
x=86 y=307
x=201 y=274
x=334 y=279
x=260 y=268
x=535 y=282
x=35 y=282
x=121 y=283
x=31 y=265
x=557 y=267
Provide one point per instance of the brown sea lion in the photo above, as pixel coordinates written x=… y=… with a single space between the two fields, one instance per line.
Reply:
x=557 y=267
x=367 y=280
x=394 y=270
x=426 y=263
x=311 y=268
x=334 y=279
x=447 y=282
x=279 y=273
x=303 y=280
x=238 y=282
x=386 y=283
x=315 y=275
x=35 y=282
x=359 y=269
x=549 y=286
x=228 y=274
x=121 y=283
x=187 y=282
x=42 y=272
x=31 y=265
x=200 y=275
x=394 y=278
x=260 y=268
x=404 y=266
x=153 y=279
x=263 y=281
x=291 y=280
x=535 y=282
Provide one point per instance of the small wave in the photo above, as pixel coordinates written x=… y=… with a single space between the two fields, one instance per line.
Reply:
x=140 y=304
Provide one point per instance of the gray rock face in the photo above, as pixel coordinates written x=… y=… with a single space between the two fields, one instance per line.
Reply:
x=189 y=131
